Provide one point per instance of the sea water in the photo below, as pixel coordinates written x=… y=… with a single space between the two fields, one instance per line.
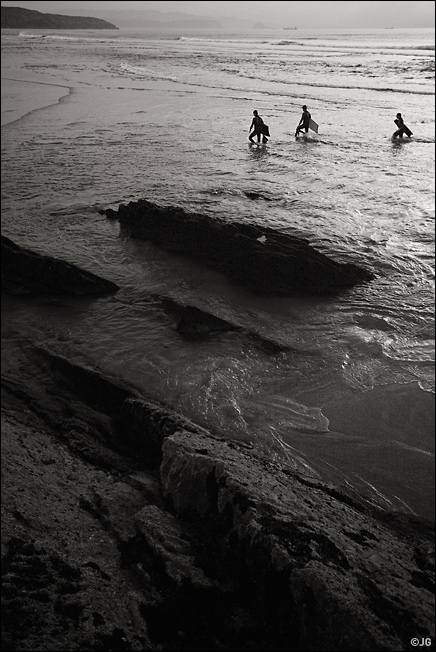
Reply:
x=94 y=119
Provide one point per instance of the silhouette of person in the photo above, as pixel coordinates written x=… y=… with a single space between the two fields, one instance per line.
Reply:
x=256 y=127
x=304 y=121
x=402 y=128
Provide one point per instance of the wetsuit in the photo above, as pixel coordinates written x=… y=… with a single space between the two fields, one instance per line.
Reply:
x=257 y=126
x=401 y=127
x=304 y=122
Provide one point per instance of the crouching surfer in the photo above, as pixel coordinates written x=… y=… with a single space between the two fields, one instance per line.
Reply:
x=402 y=128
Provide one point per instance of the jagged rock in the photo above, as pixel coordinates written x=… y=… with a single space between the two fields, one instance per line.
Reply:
x=145 y=424
x=256 y=195
x=110 y=213
x=197 y=324
x=350 y=582
x=235 y=552
x=164 y=536
x=26 y=272
x=264 y=260
x=90 y=384
x=194 y=323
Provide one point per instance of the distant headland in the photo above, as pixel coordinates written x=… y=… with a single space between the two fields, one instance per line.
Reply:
x=18 y=18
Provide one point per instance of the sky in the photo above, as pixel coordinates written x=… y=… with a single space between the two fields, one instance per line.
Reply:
x=284 y=14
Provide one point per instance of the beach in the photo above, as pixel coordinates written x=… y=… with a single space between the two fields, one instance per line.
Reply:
x=333 y=393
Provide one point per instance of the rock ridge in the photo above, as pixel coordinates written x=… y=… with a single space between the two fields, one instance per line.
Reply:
x=25 y=272
x=262 y=259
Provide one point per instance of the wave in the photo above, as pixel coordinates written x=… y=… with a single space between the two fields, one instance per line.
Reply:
x=59 y=37
x=155 y=76
x=304 y=42
x=356 y=46
x=204 y=39
x=24 y=35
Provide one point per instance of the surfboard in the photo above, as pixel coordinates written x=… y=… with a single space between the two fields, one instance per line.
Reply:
x=313 y=126
x=405 y=129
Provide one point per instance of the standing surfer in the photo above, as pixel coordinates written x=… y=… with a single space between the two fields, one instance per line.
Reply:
x=256 y=128
x=304 y=121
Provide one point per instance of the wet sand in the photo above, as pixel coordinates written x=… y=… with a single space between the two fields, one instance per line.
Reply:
x=20 y=97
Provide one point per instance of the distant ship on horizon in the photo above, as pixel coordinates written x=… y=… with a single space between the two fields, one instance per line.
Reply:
x=290 y=28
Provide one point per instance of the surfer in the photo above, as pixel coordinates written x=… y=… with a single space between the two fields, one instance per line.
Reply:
x=402 y=128
x=256 y=128
x=304 y=121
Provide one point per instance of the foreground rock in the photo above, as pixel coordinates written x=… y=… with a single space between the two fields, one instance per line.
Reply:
x=128 y=527
x=25 y=272
x=329 y=574
x=264 y=260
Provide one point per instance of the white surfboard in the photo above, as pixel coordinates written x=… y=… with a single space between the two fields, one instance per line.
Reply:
x=313 y=126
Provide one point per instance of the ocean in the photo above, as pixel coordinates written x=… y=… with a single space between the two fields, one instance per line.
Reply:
x=93 y=119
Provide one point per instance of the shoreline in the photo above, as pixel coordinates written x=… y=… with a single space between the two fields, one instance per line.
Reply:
x=16 y=99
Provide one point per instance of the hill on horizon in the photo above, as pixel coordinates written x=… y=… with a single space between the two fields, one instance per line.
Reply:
x=18 y=18
x=154 y=19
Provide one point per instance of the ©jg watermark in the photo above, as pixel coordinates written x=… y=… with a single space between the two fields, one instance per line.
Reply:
x=421 y=642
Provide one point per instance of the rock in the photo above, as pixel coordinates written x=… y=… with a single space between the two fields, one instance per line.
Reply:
x=262 y=259
x=145 y=424
x=204 y=547
x=349 y=582
x=256 y=195
x=194 y=323
x=27 y=273
x=164 y=536
x=197 y=324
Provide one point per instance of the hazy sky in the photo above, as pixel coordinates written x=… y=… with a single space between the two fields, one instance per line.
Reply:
x=309 y=14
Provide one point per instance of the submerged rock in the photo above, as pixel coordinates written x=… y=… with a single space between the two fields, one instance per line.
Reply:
x=193 y=323
x=264 y=260
x=26 y=272
x=197 y=324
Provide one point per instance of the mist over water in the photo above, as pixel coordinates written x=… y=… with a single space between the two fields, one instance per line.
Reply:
x=90 y=121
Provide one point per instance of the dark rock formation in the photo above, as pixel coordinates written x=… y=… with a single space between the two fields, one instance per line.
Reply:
x=194 y=323
x=25 y=272
x=330 y=575
x=18 y=18
x=108 y=546
x=256 y=195
x=264 y=260
x=137 y=416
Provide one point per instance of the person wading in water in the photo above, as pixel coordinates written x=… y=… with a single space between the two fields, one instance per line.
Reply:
x=256 y=128
x=402 y=128
x=304 y=121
